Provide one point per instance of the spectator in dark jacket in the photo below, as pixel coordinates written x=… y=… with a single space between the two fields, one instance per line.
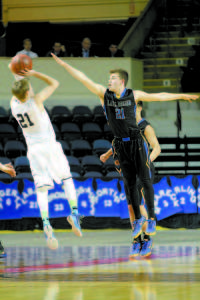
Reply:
x=113 y=51
x=85 y=49
x=58 y=49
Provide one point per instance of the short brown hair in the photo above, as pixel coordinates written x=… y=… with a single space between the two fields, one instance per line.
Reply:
x=122 y=74
x=20 y=88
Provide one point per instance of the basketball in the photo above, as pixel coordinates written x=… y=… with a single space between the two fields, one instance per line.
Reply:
x=21 y=62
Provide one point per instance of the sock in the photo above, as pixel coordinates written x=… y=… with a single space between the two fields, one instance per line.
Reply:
x=75 y=210
x=138 y=239
x=42 y=199
x=70 y=192
x=146 y=237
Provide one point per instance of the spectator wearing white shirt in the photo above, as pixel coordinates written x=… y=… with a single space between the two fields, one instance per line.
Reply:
x=27 y=49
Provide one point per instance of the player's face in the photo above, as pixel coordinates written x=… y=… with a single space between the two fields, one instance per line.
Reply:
x=114 y=83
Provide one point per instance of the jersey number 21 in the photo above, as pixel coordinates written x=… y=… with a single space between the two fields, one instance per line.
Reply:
x=24 y=120
x=119 y=112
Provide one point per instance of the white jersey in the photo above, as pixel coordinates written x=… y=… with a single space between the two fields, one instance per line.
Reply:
x=35 y=124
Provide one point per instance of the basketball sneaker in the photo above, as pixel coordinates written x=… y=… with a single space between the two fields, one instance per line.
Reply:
x=135 y=249
x=146 y=247
x=151 y=227
x=2 y=251
x=74 y=221
x=52 y=242
x=137 y=226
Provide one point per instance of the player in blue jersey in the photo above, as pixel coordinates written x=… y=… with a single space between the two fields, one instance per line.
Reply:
x=120 y=103
x=139 y=245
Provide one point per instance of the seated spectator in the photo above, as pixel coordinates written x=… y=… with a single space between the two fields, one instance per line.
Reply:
x=191 y=75
x=27 y=49
x=113 y=51
x=85 y=49
x=58 y=49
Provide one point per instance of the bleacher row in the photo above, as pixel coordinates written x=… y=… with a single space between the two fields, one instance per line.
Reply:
x=83 y=134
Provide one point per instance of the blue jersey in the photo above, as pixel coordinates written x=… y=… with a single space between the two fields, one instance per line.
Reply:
x=121 y=113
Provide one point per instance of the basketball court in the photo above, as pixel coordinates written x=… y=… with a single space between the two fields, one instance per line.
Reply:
x=97 y=267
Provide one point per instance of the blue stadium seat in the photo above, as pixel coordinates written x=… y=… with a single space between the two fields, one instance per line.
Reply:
x=70 y=131
x=80 y=148
x=92 y=174
x=91 y=163
x=1 y=150
x=57 y=131
x=74 y=163
x=99 y=116
x=75 y=175
x=7 y=132
x=4 y=160
x=12 y=120
x=65 y=147
x=21 y=164
x=108 y=135
x=20 y=134
x=60 y=114
x=109 y=165
x=101 y=146
x=91 y=131
x=3 y=115
x=6 y=178
x=3 y=176
x=13 y=149
x=82 y=114
x=113 y=174
x=24 y=175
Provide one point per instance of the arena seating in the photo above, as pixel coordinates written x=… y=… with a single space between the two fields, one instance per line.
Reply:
x=84 y=136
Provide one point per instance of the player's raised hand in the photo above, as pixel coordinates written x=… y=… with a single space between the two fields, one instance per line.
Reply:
x=58 y=60
x=190 y=97
x=9 y=169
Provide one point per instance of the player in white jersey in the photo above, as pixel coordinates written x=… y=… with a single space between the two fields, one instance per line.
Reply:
x=47 y=160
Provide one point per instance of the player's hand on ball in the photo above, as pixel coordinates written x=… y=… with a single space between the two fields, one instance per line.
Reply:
x=27 y=72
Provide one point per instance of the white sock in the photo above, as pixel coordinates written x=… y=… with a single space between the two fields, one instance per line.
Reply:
x=42 y=199
x=70 y=193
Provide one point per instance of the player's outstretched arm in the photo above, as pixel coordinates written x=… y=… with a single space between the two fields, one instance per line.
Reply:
x=148 y=97
x=95 y=88
x=105 y=156
x=8 y=168
x=153 y=141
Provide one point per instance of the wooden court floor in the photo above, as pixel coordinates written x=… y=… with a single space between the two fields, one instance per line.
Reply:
x=97 y=267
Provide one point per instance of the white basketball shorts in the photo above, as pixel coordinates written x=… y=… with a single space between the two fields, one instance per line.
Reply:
x=48 y=163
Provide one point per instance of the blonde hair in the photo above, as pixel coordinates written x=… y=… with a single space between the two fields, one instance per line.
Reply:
x=20 y=88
